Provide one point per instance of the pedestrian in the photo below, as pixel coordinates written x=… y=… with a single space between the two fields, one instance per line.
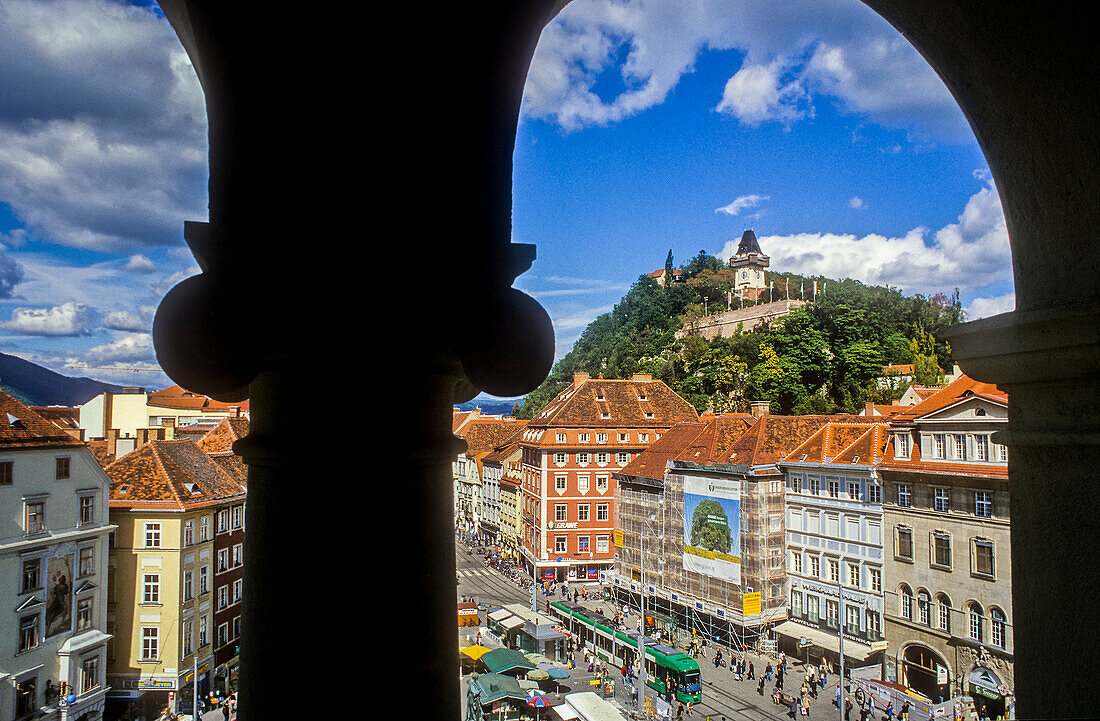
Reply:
x=805 y=707
x=690 y=708
x=903 y=715
x=768 y=672
x=760 y=687
x=680 y=710
x=794 y=708
x=847 y=708
x=752 y=674
x=889 y=710
x=718 y=658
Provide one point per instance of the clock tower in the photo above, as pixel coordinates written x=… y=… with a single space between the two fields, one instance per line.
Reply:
x=749 y=263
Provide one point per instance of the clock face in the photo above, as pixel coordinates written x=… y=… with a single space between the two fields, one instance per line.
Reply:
x=744 y=274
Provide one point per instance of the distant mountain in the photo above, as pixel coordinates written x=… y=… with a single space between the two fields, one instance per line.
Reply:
x=37 y=386
x=489 y=407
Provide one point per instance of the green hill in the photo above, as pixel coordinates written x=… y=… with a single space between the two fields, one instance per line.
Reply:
x=826 y=357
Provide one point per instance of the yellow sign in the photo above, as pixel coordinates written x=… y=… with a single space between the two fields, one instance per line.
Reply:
x=751 y=603
x=618 y=538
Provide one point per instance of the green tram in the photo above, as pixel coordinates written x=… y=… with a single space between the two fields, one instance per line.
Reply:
x=665 y=666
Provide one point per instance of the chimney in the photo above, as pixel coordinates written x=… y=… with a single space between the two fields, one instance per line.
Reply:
x=642 y=377
x=579 y=378
x=112 y=442
x=760 y=408
x=869 y=410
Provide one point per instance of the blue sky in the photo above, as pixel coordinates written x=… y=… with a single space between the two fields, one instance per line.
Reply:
x=646 y=126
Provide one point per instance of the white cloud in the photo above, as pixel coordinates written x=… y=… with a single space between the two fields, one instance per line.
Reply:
x=140 y=264
x=67 y=319
x=742 y=203
x=856 y=202
x=985 y=307
x=102 y=125
x=793 y=51
x=971 y=254
x=128 y=347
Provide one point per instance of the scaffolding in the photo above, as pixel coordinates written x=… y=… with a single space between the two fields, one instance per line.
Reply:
x=684 y=601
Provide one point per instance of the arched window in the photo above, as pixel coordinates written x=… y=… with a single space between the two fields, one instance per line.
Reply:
x=998 y=626
x=943 y=606
x=977 y=621
x=924 y=607
x=905 y=595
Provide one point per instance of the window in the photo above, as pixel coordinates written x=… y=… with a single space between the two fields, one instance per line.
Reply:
x=998 y=626
x=624 y=437
x=940 y=499
x=832 y=612
x=32 y=575
x=876 y=579
x=905 y=596
x=602 y=544
x=223 y=597
x=853 y=575
x=905 y=495
x=1002 y=453
x=560 y=483
x=601 y=483
x=189 y=532
x=874 y=624
x=796 y=562
x=603 y=512
x=152 y=535
x=584 y=458
x=560 y=437
x=796 y=485
x=223 y=634
x=960 y=447
x=238 y=585
x=939 y=443
x=601 y=438
x=204 y=580
x=87 y=510
x=623 y=459
x=223 y=560
x=901 y=445
x=89 y=674
x=582 y=544
x=853 y=491
x=981 y=447
x=585 y=438
x=150 y=588
x=28 y=633
x=812 y=606
x=26 y=697
x=6 y=472
x=583 y=511
x=983 y=558
x=86 y=564
x=796 y=603
x=150 y=643
x=977 y=621
x=561 y=512
x=582 y=484
x=561 y=545
x=643 y=438
x=903 y=545
x=834 y=489
x=188 y=637
x=815 y=486
x=851 y=621
x=924 y=608
x=188 y=585
x=815 y=566
x=62 y=468
x=559 y=459
x=943 y=603
x=983 y=504
x=204 y=529
x=834 y=570
x=941 y=549
x=204 y=630
x=35 y=517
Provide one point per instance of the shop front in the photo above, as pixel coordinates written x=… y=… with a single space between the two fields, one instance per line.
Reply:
x=989 y=692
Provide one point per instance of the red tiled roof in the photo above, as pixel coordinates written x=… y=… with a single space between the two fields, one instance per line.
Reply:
x=651 y=462
x=220 y=439
x=482 y=435
x=962 y=387
x=607 y=403
x=21 y=427
x=178 y=398
x=772 y=438
x=917 y=464
x=170 y=474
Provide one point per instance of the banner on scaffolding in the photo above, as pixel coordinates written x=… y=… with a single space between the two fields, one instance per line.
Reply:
x=712 y=528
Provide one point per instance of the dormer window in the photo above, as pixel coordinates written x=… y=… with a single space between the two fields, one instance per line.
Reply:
x=901 y=445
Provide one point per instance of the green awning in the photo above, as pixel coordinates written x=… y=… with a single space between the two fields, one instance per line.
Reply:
x=492 y=687
x=500 y=660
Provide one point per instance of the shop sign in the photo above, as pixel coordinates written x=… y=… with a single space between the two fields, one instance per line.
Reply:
x=562 y=525
x=985 y=683
x=751 y=603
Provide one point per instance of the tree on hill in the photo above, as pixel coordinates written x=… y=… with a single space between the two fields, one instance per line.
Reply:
x=825 y=357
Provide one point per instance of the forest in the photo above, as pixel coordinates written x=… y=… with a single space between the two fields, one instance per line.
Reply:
x=825 y=357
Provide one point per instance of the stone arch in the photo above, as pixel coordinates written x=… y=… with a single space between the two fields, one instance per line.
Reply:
x=918 y=665
x=1024 y=76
